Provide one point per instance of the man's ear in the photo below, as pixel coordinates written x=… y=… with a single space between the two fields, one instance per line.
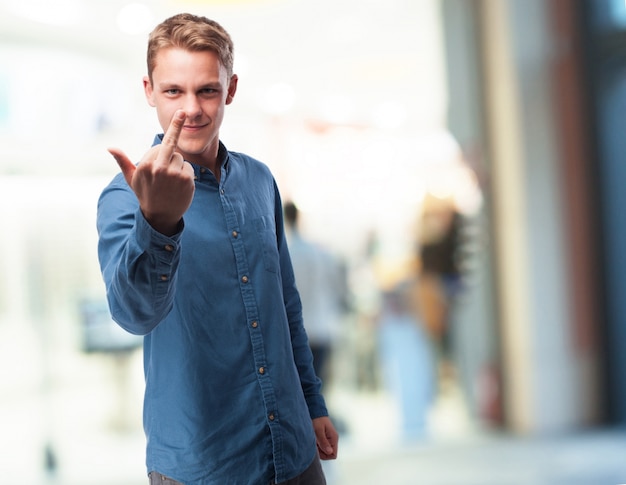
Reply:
x=149 y=92
x=232 y=89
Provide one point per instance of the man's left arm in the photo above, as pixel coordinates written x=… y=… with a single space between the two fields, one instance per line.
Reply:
x=326 y=435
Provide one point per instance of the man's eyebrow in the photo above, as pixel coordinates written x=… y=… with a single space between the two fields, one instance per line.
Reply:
x=171 y=85
x=214 y=85
x=168 y=85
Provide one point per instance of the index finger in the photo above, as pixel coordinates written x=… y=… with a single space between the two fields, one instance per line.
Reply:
x=170 y=139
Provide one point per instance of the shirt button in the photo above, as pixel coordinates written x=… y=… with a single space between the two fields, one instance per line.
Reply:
x=235 y=233
x=164 y=277
x=244 y=279
x=222 y=191
x=271 y=417
x=261 y=370
x=255 y=324
x=202 y=170
x=169 y=248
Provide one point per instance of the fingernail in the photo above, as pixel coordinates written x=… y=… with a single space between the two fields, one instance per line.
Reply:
x=180 y=114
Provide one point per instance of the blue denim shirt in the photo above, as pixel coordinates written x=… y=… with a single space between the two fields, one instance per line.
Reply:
x=230 y=386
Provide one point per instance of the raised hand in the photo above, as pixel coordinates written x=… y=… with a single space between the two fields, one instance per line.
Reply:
x=163 y=182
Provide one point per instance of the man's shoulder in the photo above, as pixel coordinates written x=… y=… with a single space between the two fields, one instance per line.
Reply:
x=252 y=171
x=247 y=161
x=117 y=182
x=116 y=192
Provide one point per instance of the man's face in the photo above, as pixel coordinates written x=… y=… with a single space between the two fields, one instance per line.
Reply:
x=197 y=83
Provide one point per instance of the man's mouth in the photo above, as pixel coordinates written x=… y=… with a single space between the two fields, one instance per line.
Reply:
x=193 y=127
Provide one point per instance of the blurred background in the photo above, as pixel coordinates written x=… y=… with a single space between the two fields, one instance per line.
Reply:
x=461 y=162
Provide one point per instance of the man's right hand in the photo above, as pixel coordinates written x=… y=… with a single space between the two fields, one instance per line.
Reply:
x=163 y=182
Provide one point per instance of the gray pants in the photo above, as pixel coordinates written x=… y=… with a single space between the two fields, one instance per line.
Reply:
x=311 y=476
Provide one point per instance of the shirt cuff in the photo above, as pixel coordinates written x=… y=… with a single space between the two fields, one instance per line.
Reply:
x=153 y=241
x=317 y=406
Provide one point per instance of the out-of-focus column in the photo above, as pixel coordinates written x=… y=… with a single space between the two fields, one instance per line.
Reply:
x=540 y=379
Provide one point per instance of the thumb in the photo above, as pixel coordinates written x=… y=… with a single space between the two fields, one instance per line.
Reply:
x=128 y=168
x=324 y=445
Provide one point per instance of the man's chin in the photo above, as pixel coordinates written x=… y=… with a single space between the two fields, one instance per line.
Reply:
x=191 y=152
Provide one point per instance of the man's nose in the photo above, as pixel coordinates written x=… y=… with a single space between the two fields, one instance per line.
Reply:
x=191 y=106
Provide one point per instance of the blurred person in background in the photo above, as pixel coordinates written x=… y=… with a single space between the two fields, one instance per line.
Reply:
x=322 y=284
x=406 y=357
x=440 y=278
x=193 y=253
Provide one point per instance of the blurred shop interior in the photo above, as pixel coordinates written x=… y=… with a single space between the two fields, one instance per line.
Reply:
x=463 y=160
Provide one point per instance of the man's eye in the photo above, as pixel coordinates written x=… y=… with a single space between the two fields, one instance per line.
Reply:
x=207 y=91
x=172 y=92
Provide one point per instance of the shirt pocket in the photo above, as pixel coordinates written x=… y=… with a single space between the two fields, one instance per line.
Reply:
x=266 y=233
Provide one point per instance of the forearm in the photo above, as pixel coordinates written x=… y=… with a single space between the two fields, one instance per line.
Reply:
x=138 y=264
x=311 y=384
x=140 y=291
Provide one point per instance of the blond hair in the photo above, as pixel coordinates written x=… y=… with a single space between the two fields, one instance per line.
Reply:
x=192 y=33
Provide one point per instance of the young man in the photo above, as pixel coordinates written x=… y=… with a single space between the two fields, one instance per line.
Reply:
x=193 y=253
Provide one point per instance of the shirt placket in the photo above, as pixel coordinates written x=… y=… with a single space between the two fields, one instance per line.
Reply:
x=254 y=324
